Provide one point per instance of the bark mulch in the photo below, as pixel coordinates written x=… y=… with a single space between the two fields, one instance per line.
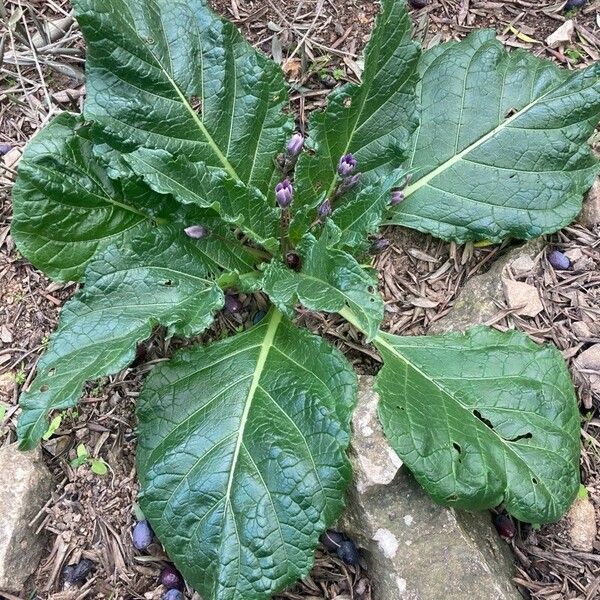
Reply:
x=318 y=43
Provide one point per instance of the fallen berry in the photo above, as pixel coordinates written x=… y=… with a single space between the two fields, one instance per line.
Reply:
x=79 y=572
x=232 y=304
x=505 y=526
x=171 y=578
x=379 y=246
x=292 y=260
x=173 y=595
x=571 y=4
x=559 y=261
x=332 y=540
x=418 y=3
x=348 y=552
x=5 y=149
x=142 y=535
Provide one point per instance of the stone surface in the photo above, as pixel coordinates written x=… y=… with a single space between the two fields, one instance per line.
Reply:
x=582 y=524
x=562 y=35
x=479 y=300
x=25 y=486
x=588 y=367
x=376 y=462
x=416 y=549
x=590 y=214
x=522 y=297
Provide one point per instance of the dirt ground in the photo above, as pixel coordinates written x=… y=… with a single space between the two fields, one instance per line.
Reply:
x=318 y=43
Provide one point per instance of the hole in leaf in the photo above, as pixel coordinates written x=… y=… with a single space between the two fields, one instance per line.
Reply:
x=168 y=283
x=347 y=102
x=457 y=447
x=525 y=436
x=485 y=421
x=534 y=481
x=44 y=388
x=51 y=372
x=510 y=113
x=370 y=289
x=452 y=498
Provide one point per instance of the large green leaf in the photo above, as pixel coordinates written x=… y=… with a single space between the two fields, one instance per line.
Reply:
x=157 y=278
x=64 y=204
x=330 y=280
x=66 y=207
x=374 y=120
x=502 y=146
x=483 y=418
x=195 y=183
x=171 y=75
x=241 y=456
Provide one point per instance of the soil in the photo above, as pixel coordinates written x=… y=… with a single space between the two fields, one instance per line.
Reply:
x=318 y=43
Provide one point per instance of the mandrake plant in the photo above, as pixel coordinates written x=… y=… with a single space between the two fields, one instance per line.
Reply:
x=184 y=177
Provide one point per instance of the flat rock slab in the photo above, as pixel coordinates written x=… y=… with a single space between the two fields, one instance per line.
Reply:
x=416 y=549
x=25 y=486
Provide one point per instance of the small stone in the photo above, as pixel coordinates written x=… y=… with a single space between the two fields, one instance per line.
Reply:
x=25 y=486
x=583 y=528
x=562 y=35
x=522 y=266
x=590 y=214
x=588 y=366
x=522 y=297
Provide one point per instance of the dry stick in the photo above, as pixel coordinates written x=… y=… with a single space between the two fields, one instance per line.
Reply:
x=37 y=64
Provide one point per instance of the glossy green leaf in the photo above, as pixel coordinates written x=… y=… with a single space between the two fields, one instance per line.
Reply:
x=502 y=146
x=195 y=183
x=158 y=278
x=483 y=418
x=64 y=204
x=239 y=480
x=66 y=207
x=330 y=280
x=171 y=75
x=374 y=120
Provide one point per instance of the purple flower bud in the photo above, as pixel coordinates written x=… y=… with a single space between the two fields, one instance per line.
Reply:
x=196 y=231
x=346 y=165
x=349 y=182
x=284 y=193
x=559 y=261
x=379 y=246
x=171 y=578
x=295 y=145
x=325 y=209
x=397 y=197
x=232 y=304
x=141 y=535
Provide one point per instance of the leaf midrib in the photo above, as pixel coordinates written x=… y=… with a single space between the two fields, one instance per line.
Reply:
x=380 y=340
x=411 y=189
x=209 y=139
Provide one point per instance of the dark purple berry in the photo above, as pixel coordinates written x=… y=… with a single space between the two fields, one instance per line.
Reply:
x=196 y=231
x=347 y=165
x=171 y=578
x=348 y=552
x=258 y=316
x=142 y=535
x=5 y=149
x=505 y=526
x=232 y=304
x=79 y=572
x=418 y=3
x=559 y=261
x=284 y=192
x=292 y=260
x=379 y=246
x=571 y=4
x=173 y=595
x=295 y=145
x=332 y=540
